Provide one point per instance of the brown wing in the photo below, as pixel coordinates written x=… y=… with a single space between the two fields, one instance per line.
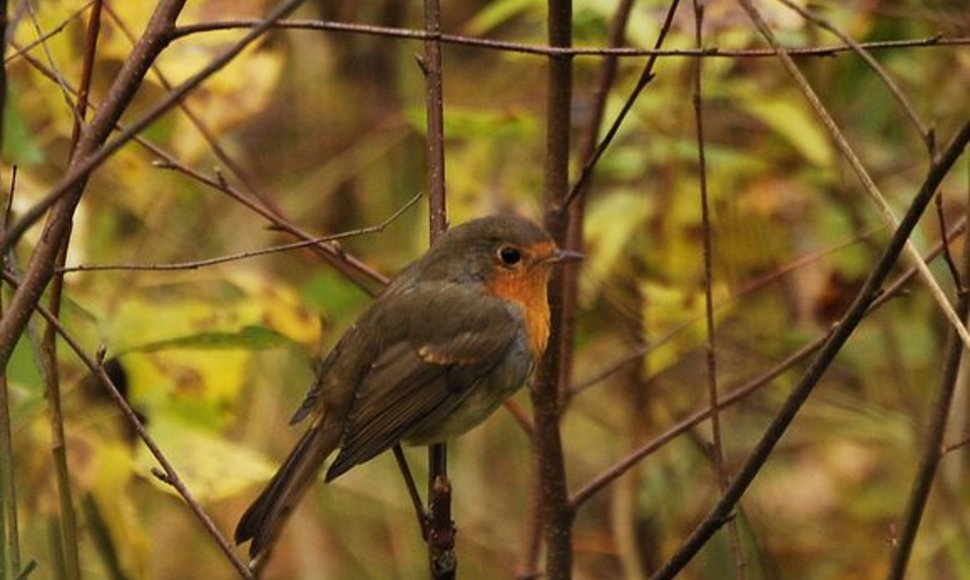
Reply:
x=420 y=378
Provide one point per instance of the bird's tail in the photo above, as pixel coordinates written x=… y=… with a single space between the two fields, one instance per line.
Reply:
x=264 y=519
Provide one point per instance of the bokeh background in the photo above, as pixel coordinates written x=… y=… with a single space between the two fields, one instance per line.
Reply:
x=326 y=128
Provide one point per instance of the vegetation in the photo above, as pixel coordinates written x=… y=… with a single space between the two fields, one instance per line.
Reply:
x=713 y=272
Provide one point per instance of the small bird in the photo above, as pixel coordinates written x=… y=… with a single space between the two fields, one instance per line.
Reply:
x=448 y=340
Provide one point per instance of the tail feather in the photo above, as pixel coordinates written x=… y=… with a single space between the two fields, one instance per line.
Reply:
x=265 y=517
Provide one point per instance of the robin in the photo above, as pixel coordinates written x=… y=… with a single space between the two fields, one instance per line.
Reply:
x=447 y=341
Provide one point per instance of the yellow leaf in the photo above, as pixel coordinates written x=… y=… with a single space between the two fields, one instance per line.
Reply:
x=211 y=466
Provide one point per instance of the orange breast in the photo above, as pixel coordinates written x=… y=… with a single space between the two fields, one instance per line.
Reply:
x=528 y=289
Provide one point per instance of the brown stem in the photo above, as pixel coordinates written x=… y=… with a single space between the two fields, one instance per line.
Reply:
x=840 y=334
x=170 y=476
x=441 y=529
x=544 y=50
x=48 y=351
x=646 y=75
x=933 y=450
x=546 y=388
x=717 y=447
x=609 y=475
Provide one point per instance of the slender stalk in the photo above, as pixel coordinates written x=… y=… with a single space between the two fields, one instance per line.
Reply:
x=841 y=332
x=736 y=394
x=546 y=389
x=441 y=529
x=67 y=517
x=710 y=352
x=885 y=211
x=9 y=532
x=546 y=51
x=167 y=474
x=933 y=449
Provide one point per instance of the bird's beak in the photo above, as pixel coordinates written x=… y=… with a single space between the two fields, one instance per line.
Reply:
x=563 y=256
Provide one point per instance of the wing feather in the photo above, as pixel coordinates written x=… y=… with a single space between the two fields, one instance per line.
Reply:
x=422 y=377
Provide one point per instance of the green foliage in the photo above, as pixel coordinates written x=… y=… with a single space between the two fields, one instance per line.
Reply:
x=329 y=129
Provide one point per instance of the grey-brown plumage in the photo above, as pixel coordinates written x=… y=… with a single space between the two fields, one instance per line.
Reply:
x=450 y=338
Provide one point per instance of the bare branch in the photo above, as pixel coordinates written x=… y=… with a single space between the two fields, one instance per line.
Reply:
x=171 y=476
x=196 y=264
x=841 y=333
x=542 y=50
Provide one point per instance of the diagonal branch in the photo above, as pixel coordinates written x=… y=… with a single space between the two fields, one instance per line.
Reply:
x=168 y=473
x=868 y=184
x=870 y=290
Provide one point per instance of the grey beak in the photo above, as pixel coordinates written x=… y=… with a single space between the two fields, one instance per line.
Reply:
x=564 y=256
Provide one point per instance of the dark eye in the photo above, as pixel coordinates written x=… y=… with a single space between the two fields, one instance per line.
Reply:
x=510 y=256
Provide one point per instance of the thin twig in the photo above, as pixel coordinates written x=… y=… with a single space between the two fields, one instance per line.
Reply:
x=47 y=35
x=10 y=539
x=26 y=572
x=441 y=529
x=79 y=173
x=748 y=288
x=352 y=267
x=207 y=135
x=646 y=75
x=840 y=334
x=66 y=517
x=886 y=212
x=542 y=50
x=196 y=264
x=171 y=475
x=9 y=529
x=717 y=445
x=932 y=452
x=925 y=132
x=954 y=446
x=347 y=264
x=62 y=84
x=735 y=395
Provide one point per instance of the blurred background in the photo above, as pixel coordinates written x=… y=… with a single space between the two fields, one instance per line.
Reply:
x=326 y=129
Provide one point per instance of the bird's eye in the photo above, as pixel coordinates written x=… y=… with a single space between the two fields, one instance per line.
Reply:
x=510 y=256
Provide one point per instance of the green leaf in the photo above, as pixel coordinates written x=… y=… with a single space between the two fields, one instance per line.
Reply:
x=18 y=142
x=248 y=337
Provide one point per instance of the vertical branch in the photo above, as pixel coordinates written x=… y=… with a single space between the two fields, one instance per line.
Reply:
x=574 y=241
x=717 y=448
x=48 y=351
x=440 y=528
x=933 y=449
x=556 y=512
x=9 y=533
